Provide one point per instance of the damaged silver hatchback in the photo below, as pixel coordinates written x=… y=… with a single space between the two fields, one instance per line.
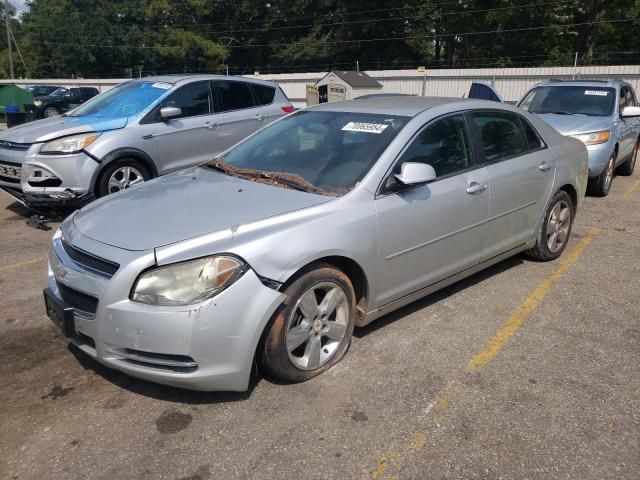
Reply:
x=321 y=222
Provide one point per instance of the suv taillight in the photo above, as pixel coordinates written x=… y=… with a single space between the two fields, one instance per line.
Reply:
x=288 y=109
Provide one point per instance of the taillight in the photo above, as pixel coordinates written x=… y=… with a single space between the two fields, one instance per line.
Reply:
x=288 y=109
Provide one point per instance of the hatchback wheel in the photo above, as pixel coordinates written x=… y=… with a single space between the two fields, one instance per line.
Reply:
x=121 y=175
x=600 y=185
x=627 y=167
x=51 y=112
x=553 y=234
x=312 y=329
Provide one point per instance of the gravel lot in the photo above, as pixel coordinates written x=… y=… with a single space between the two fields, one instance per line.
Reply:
x=525 y=371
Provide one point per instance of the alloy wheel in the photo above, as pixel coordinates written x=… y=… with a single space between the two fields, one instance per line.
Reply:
x=123 y=178
x=317 y=325
x=609 y=174
x=558 y=226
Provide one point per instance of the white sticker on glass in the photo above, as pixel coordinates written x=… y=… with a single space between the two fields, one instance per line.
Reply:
x=600 y=93
x=364 y=127
x=162 y=85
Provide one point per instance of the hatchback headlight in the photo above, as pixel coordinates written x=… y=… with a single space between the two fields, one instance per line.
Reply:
x=593 y=138
x=37 y=103
x=186 y=283
x=71 y=144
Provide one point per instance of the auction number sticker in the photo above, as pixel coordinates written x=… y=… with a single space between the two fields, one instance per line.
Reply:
x=364 y=127
x=599 y=93
x=162 y=85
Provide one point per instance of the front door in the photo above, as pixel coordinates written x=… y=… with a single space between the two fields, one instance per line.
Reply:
x=191 y=138
x=430 y=232
x=521 y=169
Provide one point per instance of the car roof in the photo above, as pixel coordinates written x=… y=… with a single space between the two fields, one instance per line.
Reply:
x=584 y=83
x=399 y=105
x=184 y=78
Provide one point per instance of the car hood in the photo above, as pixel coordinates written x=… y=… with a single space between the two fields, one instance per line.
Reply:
x=574 y=124
x=185 y=205
x=50 y=128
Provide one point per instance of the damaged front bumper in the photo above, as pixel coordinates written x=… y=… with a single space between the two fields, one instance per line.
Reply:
x=47 y=180
x=208 y=346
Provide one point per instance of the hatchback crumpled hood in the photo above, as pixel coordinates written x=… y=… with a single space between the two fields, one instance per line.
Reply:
x=574 y=124
x=184 y=205
x=56 y=127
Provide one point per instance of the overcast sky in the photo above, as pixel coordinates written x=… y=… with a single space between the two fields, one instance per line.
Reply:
x=19 y=4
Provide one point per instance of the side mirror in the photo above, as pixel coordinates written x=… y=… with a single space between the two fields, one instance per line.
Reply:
x=413 y=173
x=630 y=112
x=167 y=113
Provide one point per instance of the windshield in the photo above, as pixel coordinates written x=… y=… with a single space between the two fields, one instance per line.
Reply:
x=125 y=100
x=59 y=92
x=570 y=100
x=323 y=152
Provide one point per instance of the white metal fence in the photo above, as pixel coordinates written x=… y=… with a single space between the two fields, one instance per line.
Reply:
x=512 y=83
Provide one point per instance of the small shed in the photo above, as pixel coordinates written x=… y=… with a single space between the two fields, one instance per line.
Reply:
x=342 y=85
x=11 y=94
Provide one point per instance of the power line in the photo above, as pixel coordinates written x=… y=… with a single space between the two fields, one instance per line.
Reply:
x=363 y=40
x=351 y=22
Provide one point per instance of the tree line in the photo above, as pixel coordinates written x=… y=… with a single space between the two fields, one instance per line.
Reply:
x=128 y=38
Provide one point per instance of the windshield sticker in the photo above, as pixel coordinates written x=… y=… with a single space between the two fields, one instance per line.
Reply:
x=162 y=85
x=600 y=93
x=364 y=127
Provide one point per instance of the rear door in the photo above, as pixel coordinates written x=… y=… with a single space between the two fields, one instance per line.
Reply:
x=430 y=232
x=189 y=139
x=521 y=170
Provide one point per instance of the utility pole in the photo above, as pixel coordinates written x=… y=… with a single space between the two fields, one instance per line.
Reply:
x=7 y=21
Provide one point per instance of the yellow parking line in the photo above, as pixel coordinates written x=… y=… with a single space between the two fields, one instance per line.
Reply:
x=456 y=389
x=11 y=266
x=513 y=323
x=630 y=189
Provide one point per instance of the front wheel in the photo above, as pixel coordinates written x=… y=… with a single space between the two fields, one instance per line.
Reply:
x=600 y=185
x=553 y=235
x=312 y=329
x=50 y=112
x=121 y=175
x=627 y=167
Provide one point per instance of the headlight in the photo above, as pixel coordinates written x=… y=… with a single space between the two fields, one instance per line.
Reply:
x=594 y=138
x=37 y=103
x=71 y=144
x=188 y=282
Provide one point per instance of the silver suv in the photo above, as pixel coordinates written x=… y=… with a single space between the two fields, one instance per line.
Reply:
x=136 y=131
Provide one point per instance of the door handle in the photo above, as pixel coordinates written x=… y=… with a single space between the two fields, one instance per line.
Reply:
x=475 y=187
x=259 y=117
x=210 y=125
x=544 y=166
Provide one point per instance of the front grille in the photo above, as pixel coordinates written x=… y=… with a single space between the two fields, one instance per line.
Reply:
x=10 y=172
x=78 y=300
x=14 y=146
x=96 y=264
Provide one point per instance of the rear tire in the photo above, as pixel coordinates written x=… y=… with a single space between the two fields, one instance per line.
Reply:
x=555 y=230
x=626 y=169
x=600 y=185
x=304 y=338
x=120 y=175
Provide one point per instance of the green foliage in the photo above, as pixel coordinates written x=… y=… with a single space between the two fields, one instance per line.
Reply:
x=116 y=38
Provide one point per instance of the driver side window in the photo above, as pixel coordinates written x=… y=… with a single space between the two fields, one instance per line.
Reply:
x=443 y=144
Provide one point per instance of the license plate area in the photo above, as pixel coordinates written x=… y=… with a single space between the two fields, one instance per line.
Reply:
x=60 y=314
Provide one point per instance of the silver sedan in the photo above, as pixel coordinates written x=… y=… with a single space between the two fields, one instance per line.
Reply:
x=324 y=221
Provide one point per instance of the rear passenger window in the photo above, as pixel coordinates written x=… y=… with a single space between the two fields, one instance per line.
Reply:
x=502 y=135
x=533 y=139
x=234 y=95
x=444 y=145
x=264 y=94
